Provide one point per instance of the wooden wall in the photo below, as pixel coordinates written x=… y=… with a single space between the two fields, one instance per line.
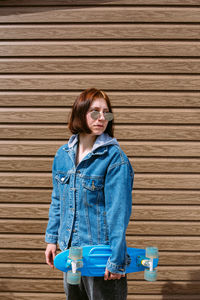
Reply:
x=146 y=55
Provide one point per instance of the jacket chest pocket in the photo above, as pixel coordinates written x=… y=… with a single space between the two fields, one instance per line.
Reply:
x=93 y=190
x=62 y=178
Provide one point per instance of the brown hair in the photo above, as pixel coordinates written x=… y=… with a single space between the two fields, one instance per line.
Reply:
x=77 y=121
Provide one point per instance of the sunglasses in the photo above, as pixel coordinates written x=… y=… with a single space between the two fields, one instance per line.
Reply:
x=108 y=116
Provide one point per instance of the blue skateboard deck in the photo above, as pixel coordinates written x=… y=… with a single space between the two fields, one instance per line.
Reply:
x=94 y=259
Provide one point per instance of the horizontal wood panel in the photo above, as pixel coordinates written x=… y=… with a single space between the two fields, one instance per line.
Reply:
x=161 y=228
x=178 y=181
x=98 y=14
x=34 y=296
x=155 y=297
x=135 y=227
x=103 y=65
x=164 y=243
x=31 y=195
x=140 y=132
x=166 y=165
x=141 y=181
x=12 y=195
x=142 y=165
x=120 y=99
x=176 y=213
x=37 y=256
x=23 y=256
x=135 y=287
x=131 y=148
x=102 y=3
x=100 y=48
x=169 y=288
x=100 y=31
x=115 y=82
x=42 y=271
x=61 y=296
x=121 y=115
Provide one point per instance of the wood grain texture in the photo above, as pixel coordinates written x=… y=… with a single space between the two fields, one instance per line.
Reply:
x=140 y=165
x=164 y=243
x=100 y=31
x=103 y=65
x=165 y=213
x=100 y=14
x=171 y=258
x=164 y=228
x=141 y=181
x=120 y=99
x=102 y=3
x=61 y=296
x=133 y=132
x=156 y=197
x=135 y=287
x=116 y=82
x=121 y=115
x=131 y=148
x=100 y=48
x=33 y=296
x=32 y=271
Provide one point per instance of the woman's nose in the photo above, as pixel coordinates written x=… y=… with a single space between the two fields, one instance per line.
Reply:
x=101 y=116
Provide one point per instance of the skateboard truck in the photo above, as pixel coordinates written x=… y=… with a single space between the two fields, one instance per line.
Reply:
x=75 y=261
x=150 y=274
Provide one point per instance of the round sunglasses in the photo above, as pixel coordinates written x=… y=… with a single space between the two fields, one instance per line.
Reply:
x=108 y=116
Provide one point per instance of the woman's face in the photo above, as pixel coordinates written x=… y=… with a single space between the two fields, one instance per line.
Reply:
x=99 y=125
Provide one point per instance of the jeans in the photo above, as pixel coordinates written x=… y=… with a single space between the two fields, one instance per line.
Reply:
x=96 y=288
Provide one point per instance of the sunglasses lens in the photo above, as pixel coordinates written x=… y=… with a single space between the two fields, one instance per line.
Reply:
x=94 y=115
x=108 y=116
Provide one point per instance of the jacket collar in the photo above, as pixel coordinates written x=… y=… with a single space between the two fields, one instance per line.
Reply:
x=102 y=140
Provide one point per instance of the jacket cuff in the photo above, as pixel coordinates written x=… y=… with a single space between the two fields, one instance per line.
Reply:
x=114 y=268
x=51 y=239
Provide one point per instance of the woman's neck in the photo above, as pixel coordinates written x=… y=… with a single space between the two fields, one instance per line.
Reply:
x=86 y=141
x=85 y=145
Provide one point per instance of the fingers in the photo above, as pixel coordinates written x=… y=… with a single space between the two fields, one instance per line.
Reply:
x=50 y=254
x=112 y=276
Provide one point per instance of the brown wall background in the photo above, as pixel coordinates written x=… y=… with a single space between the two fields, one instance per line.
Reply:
x=146 y=55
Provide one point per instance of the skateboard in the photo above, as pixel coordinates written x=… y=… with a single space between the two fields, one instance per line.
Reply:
x=91 y=261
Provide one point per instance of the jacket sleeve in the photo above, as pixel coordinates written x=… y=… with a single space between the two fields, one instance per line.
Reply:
x=118 y=202
x=51 y=235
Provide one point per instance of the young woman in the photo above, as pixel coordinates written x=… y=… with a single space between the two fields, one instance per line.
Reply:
x=92 y=196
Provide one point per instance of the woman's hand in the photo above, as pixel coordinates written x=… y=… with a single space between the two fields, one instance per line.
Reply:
x=50 y=254
x=110 y=276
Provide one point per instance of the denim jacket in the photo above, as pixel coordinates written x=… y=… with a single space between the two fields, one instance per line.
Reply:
x=91 y=202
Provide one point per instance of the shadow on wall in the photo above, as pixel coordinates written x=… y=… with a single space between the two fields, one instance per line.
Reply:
x=7 y=7
x=175 y=290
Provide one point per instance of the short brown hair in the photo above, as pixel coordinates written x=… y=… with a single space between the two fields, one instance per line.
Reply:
x=77 y=121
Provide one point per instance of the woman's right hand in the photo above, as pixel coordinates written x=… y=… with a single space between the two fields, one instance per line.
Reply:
x=50 y=254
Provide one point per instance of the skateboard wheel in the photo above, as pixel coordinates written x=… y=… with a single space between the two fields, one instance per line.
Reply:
x=152 y=252
x=150 y=275
x=75 y=253
x=73 y=278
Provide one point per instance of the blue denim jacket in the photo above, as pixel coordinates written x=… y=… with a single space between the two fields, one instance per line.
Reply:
x=91 y=202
